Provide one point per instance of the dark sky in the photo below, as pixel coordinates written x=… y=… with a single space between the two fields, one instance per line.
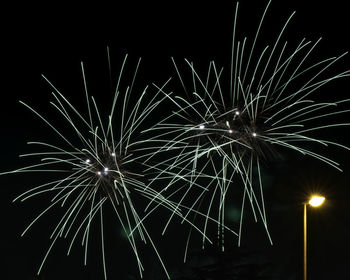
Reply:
x=53 y=38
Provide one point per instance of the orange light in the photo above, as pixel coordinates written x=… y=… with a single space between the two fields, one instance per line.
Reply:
x=316 y=200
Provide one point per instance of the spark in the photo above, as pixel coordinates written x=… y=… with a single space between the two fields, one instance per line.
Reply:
x=101 y=167
x=277 y=106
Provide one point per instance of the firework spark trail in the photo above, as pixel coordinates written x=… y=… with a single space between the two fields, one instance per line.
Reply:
x=212 y=145
x=229 y=129
x=106 y=167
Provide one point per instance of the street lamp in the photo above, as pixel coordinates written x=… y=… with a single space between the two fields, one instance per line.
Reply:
x=315 y=201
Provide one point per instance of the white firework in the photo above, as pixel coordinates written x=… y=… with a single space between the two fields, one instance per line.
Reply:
x=104 y=167
x=225 y=125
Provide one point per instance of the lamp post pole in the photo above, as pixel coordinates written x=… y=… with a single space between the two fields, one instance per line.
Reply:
x=315 y=201
x=305 y=241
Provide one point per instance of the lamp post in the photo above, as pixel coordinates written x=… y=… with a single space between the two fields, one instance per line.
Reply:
x=315 y=201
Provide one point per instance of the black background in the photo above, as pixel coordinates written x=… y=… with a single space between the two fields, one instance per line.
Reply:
x=53 y=38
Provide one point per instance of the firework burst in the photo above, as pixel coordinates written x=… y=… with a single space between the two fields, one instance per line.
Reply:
x=101 y=166
x=222 y=132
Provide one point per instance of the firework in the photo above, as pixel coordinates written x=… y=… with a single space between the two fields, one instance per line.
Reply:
x=226 y=124
x=99 y=163
x=208 y=152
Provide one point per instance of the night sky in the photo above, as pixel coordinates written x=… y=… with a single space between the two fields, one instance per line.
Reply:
x=53 y=38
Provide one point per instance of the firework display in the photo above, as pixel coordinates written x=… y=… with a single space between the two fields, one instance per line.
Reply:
x=225 y=125
x=101 y=164
x=192 y=146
